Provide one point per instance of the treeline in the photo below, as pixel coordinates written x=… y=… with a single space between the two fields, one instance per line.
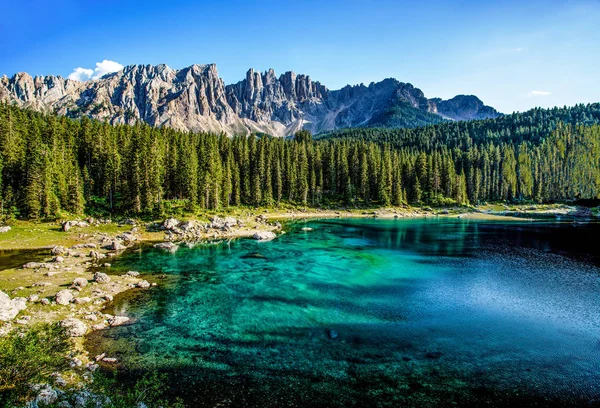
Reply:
x=51 y=164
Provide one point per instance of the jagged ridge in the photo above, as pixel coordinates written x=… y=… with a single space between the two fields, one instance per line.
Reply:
x=195 y=98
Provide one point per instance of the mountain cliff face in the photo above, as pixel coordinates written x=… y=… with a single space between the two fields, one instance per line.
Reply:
x=195 y=98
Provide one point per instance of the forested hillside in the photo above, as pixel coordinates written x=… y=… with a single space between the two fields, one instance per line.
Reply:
x=52 y=164
x=531 y=127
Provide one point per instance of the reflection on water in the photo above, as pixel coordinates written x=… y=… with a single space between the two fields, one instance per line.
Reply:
x=10 y=259
x=372 y=313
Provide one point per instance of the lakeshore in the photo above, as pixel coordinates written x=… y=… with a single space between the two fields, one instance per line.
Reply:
x=77 y=262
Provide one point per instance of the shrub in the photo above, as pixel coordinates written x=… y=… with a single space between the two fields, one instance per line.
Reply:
x=30 y=357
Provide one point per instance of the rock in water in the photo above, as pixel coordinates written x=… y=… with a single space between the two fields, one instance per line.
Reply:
x=332 y=334
x=169 y=246
x=254 y=255
x=264 y=236
x=143 y=284
x=74 y=327
x=118 y=320
x=64 y=297
x=434 y=355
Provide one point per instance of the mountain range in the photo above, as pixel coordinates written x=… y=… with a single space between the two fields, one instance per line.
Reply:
x=196 y=99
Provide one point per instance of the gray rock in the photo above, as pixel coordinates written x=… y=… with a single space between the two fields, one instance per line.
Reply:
x=64 y=297
x=59 y=250
x=67 y=225
x=118 y=321
x=133 y=274
x=143 y=284
x=170 y=224
x=10 y=308
x=127 y=237
x=188 y=226
x=101 y=277
x=169 y=246
x=74 y=327
x=97 y=255
x=116 y=246
x=264 y=236
x=46 y=395
x=83 y=246
x=4 y=229
x=80 y=282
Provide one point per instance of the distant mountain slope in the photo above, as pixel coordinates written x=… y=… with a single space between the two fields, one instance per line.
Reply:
x=532 y=126
x=196 y=98
x=464 y=107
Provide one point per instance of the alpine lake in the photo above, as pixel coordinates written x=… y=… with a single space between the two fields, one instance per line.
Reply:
x=369 y=313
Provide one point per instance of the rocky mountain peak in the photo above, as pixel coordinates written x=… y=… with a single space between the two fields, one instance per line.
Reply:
x=196 y=98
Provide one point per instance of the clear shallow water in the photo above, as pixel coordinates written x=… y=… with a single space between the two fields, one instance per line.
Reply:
x=372 y=313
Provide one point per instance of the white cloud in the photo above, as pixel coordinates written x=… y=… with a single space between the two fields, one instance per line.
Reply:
x=102 y=68
x=106 y=67
x=539 y=93
x=81 y=74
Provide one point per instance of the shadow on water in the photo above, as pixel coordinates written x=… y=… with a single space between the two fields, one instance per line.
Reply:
x=371 y=313
x=10 y=259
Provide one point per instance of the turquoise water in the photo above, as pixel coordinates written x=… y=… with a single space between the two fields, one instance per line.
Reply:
x=371 y=313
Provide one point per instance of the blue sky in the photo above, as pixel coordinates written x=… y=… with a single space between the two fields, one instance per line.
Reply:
x=514 y=55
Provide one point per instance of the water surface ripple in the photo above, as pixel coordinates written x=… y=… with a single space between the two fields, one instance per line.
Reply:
x=372 y=313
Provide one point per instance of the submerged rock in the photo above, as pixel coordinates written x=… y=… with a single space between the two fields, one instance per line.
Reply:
x=434 y=355
x=254 y=255
x=264 y=236
x=332 y=334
